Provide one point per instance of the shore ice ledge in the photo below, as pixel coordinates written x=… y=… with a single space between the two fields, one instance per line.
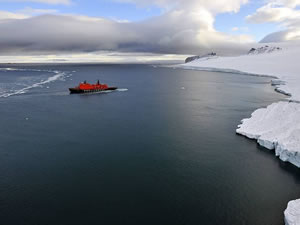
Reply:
x=277 y=126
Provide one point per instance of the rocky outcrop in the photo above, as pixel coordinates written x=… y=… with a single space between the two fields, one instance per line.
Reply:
x=193 y=58
x=264 y=49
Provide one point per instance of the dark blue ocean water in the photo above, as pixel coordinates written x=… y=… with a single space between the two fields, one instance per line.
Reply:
x=163 y=150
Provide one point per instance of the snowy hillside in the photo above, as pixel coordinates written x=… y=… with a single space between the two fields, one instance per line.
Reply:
x=283 y=64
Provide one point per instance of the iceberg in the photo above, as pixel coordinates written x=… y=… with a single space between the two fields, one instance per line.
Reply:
x=292 y=214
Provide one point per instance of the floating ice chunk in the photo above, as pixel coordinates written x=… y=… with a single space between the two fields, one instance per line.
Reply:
x=292 y=213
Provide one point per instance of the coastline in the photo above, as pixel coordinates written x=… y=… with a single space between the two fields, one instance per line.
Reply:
x=276 y=127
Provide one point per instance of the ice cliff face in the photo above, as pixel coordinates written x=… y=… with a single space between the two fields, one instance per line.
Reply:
x=292 y=213
x=276 y=127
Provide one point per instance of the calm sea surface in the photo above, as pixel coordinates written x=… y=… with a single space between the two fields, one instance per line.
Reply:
x=161 y=150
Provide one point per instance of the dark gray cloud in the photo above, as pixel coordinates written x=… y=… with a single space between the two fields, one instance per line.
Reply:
x=181 y=30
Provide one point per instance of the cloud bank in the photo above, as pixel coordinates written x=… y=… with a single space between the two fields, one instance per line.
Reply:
x=283 y=12
x=185 y=27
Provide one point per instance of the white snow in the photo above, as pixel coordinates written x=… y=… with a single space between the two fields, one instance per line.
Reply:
x=282 y=64
x=277 y=126
x=292 y=213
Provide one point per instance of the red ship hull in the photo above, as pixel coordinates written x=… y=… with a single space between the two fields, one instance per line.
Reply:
x=80 y=91
x=90 y=88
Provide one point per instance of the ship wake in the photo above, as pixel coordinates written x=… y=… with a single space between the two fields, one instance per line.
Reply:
x=18 y=88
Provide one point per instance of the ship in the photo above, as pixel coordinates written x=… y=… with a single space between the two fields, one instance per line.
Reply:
x=85 y=87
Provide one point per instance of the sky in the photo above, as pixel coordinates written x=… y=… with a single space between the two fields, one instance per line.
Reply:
x=125 y=30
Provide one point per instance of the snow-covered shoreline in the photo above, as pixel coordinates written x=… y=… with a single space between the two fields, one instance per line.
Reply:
x=277 y=126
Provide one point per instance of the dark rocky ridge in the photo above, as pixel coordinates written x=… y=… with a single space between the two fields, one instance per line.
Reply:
x=192 y=58
x=264 y=49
